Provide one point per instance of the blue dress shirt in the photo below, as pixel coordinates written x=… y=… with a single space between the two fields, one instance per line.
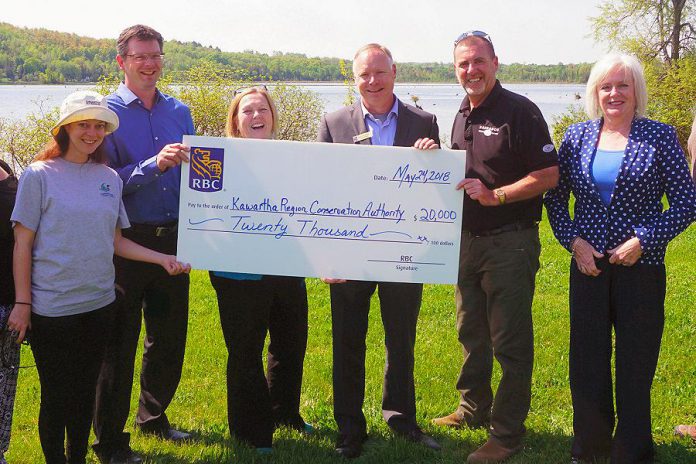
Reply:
x=150 y=196
x=383 y=131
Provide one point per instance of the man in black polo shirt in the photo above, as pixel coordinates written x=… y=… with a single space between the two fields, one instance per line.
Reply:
x=510 y=162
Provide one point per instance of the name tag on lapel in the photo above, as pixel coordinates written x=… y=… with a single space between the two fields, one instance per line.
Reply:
x=364 y=136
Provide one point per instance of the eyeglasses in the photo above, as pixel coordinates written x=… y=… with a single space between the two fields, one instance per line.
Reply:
x=244 y=89
x=466 y=34
x=144 y=57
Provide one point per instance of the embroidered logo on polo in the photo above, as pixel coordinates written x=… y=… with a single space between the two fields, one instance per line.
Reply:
x=488 y=130
x=105 y=190
x=205 y=174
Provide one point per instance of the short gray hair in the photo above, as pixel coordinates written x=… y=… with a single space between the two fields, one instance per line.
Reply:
x=602 y=68
x=373 y=46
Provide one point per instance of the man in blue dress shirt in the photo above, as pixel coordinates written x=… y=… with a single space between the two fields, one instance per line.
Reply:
x=146 y=152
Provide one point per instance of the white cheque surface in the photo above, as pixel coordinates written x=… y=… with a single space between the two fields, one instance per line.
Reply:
x=321 y=210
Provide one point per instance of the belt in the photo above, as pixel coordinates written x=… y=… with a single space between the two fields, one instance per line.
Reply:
x=157 y=231
x=512 y=227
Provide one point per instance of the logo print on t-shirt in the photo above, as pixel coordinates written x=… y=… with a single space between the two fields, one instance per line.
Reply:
x=488 y=130
x=105 y=190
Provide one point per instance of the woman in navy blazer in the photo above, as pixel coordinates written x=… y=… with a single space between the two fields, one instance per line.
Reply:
x=618 y=167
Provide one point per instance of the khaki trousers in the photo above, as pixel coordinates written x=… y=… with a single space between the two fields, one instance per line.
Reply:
x=494 y=297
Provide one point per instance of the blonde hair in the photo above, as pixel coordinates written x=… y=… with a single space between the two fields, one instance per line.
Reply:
x=231 y=127
x=630 y=65
x=373 y=46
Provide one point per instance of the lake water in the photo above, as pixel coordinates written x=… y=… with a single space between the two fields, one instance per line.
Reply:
x=443 y=100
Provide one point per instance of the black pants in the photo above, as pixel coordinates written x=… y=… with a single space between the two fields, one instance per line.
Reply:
x=163 y=302
x=350 y=306
x=249 y=309
x=631 y=300
x=68 y=351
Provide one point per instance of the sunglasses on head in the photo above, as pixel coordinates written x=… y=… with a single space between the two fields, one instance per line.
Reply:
x=466 y=34
x=244 y=89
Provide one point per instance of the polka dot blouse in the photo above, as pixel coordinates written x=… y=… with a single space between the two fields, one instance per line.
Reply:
x=653 y=165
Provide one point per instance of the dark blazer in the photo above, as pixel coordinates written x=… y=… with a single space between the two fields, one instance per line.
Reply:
x=653 y=165
x=412 y=124
x=399 y=303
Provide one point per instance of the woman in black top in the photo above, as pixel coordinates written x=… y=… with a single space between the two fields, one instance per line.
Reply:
x=9 y=352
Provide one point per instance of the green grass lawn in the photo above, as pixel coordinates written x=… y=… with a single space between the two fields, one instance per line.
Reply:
x=200 y=404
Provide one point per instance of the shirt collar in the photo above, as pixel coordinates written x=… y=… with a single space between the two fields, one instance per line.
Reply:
x=394 y=109
x=129 y=97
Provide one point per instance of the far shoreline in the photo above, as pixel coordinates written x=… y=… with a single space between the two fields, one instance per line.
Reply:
x=323 y=83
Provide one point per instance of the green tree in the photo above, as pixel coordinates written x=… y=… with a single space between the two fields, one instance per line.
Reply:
x=207 y=89
x=34 y=55
x=21 y=140
x=347 y=75
x=575 y=113
x=649 y=29
x=672 y=93
x=299 y=112
x=661 y=33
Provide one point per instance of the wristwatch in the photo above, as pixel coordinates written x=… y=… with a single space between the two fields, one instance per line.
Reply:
x=500 y=193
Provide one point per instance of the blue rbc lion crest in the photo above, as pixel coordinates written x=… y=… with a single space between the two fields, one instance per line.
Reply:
x=206 y=169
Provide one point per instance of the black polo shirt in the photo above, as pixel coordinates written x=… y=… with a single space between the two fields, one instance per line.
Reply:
x=505 y=139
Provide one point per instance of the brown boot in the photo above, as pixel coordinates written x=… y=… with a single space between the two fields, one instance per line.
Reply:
x=457 y=420
x=454 y=420
x=491 y=452
x=684 y=431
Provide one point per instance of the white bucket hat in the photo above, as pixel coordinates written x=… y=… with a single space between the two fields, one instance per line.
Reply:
x=83 y=105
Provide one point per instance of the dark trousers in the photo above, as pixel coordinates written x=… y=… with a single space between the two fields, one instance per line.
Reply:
x=494 y=297
x=68 y=351
x=350 y=306
x=249 y=309
x=631 y=300
x=164 y=302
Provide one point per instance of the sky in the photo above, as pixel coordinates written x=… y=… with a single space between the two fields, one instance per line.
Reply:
x=523 y=31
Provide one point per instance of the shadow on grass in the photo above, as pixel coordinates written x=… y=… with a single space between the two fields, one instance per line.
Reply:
x=678 y=451
x=382 y=447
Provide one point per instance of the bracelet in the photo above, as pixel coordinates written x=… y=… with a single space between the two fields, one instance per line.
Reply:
x=572 y=245
x=21 y=303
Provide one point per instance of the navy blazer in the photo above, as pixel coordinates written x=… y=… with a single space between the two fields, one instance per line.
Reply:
x=653 y=165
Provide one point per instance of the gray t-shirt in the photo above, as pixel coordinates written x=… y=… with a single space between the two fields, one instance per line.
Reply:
x=74 y=210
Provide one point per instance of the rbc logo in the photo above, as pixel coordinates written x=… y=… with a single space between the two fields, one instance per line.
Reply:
x=206 y=169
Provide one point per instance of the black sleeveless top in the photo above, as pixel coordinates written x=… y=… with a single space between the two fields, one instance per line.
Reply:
x=8 y=192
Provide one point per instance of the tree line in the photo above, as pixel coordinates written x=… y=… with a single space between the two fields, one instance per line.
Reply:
x=662 y=34
x=49 y=57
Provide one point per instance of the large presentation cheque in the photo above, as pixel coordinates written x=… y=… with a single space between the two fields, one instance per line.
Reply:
x=321 y=210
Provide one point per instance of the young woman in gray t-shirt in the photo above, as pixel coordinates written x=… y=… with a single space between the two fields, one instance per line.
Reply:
x=67 y=223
